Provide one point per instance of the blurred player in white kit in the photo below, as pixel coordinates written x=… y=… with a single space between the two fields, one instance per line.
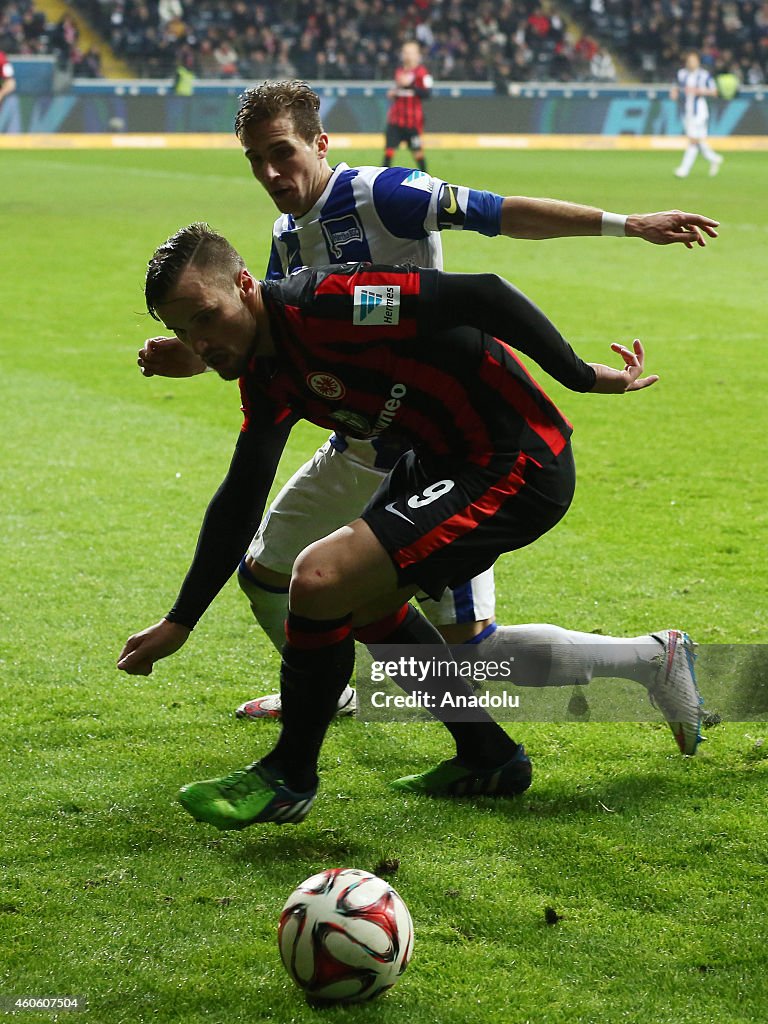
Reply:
x=694 y=85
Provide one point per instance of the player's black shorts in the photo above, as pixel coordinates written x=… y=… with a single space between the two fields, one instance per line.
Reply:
x=397 y=133
x=443 y=522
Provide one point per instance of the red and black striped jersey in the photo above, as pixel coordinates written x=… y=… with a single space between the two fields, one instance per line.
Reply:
x=406 y=110
x=385 y=352
x=6 y=68
x=418 y=356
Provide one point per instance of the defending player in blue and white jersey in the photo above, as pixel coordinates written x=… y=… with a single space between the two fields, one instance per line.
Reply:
x=694 y=85
x=390 y=215
x=386 y=215
x=394 y=215
x=389 y=210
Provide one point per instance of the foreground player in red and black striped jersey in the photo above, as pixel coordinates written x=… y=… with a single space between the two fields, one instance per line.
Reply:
x=416 y=355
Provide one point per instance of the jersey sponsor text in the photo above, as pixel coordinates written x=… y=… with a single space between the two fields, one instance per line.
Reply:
x=377 y=305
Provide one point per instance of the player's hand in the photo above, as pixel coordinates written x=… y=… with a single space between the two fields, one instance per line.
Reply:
x=143 y=649
x=168 y=357
x=672 y=226
x=615 y=382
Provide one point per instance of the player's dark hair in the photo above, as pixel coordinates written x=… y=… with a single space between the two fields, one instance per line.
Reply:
x=197 y=245
x=271 y=99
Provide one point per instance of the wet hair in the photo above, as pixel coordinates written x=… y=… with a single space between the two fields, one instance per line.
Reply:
x=272 y=99
x=195 y=245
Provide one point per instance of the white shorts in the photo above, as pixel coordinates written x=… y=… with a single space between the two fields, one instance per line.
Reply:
x=696 y=126
x=325 y=494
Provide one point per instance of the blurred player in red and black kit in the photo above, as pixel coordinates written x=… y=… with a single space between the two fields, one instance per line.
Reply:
x=7 y=77
x=10 y=115
x=405 y=120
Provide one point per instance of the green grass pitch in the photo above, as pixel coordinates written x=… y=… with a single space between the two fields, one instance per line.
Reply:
x=656 y=865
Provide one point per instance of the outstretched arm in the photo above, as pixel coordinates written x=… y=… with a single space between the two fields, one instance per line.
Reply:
x=495 y=306
x=230 y=522
x=522 y=217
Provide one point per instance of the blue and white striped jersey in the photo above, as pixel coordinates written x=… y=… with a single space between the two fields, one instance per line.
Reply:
x=386 y=215
x=695 y=106
x=382 y=215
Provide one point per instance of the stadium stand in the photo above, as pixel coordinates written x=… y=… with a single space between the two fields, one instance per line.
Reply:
x=507 y=41
x=511 y=41
x=652 y=36
x=49 y=28
x=25 y=29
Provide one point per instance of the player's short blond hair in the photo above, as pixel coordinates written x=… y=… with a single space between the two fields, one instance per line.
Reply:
x=271 y=99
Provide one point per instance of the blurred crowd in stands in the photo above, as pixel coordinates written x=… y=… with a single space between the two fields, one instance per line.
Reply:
x=510 y=40
x=505 y=41
x=651 y=36
x=24 y=29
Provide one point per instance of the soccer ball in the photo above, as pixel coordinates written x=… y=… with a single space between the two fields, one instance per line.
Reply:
x=345 y=935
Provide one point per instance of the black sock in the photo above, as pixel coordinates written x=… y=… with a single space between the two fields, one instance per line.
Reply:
x=317 y=663
x=480 y=743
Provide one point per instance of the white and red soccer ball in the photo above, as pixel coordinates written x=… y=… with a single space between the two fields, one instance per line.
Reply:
x=345 y=935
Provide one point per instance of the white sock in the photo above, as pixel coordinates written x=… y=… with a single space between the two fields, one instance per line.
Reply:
x=546 y=655
x=708 y=153
x=270 y=609
x=689 y=158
